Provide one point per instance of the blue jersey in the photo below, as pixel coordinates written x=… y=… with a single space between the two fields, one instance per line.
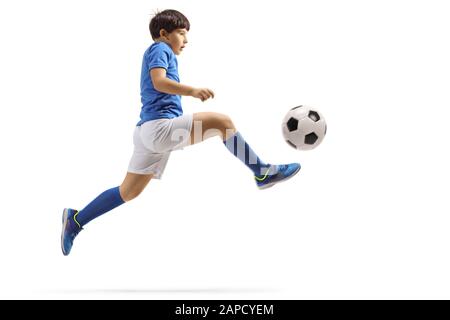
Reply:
x=156 y=104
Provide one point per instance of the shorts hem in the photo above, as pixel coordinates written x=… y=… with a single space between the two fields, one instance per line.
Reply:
x=156 y=175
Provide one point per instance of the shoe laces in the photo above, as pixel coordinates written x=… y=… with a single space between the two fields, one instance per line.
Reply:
x=74 y=232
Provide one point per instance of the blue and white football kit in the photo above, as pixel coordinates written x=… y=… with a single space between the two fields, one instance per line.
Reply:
x=163 y=127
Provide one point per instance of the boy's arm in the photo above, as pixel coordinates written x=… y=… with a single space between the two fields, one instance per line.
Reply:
x=166 y=85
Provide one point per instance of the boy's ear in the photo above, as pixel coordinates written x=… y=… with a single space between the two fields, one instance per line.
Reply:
x=163 y=33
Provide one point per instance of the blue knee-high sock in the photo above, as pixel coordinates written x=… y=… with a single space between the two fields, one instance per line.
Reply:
x=105 y=202
x=237 y=146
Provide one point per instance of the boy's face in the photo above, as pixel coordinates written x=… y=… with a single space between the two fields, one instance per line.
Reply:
x=177 y=40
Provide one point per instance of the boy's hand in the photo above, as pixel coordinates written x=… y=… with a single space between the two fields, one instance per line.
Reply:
x=202 y=93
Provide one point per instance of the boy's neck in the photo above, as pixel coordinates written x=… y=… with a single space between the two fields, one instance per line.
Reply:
x=161 y=40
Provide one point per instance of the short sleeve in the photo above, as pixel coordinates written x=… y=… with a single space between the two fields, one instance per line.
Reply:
x=158 y=58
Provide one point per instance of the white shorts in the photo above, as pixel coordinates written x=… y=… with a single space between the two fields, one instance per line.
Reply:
x=153 y=142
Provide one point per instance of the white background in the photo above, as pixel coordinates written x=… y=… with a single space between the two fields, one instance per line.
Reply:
x=367 y=217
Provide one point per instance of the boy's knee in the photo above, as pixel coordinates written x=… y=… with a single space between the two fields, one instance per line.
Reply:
x=227 y=123
x=128 y=195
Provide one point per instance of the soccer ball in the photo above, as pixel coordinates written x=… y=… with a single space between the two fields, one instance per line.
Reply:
x=304 y=128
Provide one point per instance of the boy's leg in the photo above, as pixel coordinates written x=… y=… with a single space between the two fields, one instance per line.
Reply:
x=131 y=187
x=73 y=221
x=209 y=124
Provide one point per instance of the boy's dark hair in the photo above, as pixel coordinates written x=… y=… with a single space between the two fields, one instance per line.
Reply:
x=168 y=20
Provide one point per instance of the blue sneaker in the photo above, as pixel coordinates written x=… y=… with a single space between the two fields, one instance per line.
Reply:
x=70 y=229
x=281 y=173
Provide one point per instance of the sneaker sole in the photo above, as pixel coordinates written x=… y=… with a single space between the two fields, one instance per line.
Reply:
x=64 y=223
x=267 y=186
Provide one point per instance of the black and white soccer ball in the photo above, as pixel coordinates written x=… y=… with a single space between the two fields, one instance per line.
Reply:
x=304 y=128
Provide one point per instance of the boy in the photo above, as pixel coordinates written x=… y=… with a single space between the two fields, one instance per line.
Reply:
x=164 y=128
